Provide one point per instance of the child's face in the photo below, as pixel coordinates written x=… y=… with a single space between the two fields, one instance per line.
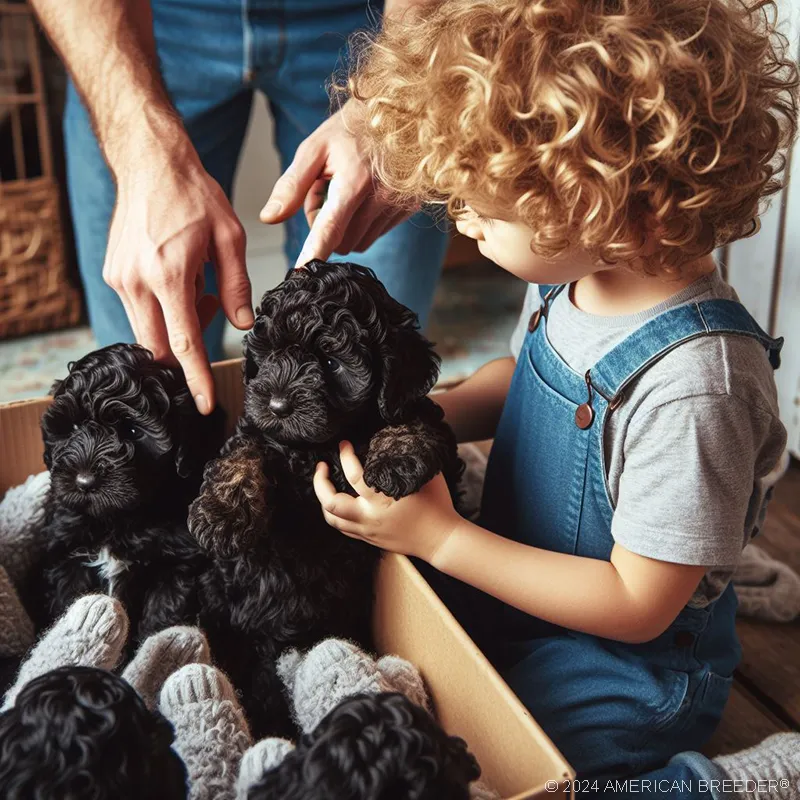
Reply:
x=507 y=242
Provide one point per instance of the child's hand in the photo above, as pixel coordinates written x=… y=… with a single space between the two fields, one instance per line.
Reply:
x=417 y=525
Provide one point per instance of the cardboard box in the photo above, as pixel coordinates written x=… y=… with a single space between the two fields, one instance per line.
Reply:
x=470 y=698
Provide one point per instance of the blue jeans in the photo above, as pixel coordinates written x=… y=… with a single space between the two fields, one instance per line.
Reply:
x=214 y=55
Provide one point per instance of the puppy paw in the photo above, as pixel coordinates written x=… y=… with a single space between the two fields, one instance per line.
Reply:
x=211 y=734
x=92 y=633
x=231 y=510
x=480 y=791
x=196 y=683
x=399 y=675
x=260 y=758
x=162 y=654
x=401 y=460
x=22 y=512
x=330 y=672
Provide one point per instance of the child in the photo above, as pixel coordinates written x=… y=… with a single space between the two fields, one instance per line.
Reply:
x=600 y=149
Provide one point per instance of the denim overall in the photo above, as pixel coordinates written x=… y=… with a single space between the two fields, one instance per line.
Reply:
x=611 y=708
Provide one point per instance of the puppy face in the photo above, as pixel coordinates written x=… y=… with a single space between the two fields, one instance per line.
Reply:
x=81 y=732
x=328 y=347
x=122 y=431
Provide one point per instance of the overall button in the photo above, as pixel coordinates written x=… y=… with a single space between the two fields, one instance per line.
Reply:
x=684 y=639
x=584 y=416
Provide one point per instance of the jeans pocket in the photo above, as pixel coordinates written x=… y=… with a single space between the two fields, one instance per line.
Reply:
x=716 y=690
x=712 y=697
x=674 y=700
x=693 y=722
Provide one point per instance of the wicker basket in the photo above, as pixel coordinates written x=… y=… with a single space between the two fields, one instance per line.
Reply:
x=35 y=293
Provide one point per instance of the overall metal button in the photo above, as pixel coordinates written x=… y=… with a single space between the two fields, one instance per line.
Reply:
x=584 y=416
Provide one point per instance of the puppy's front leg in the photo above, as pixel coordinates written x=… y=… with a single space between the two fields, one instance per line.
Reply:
x=233 y=507
x=401 y=459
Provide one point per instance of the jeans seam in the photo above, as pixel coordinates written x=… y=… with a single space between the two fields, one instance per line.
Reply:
x=247 y=44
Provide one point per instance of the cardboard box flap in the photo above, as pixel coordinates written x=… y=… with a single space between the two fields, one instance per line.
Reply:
x=20 y=441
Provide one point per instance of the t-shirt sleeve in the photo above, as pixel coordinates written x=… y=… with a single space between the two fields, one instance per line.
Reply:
x=687 y=480
x=532 y=302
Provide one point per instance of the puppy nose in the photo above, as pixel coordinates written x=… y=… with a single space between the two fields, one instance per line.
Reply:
x=280 y=406
x=85 y=481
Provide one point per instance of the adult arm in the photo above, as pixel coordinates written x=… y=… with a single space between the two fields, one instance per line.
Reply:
x=170 y=215
x=354 y=214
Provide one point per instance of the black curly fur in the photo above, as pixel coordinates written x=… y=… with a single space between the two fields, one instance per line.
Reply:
x=348 y=362
x=373 y=747
x=80 y=733
x=131 y=425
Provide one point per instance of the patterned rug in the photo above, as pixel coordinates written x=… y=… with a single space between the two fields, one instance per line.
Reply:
x=475 y=310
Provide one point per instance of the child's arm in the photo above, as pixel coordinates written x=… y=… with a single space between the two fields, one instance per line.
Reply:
x=473 y=408
x=631 y=598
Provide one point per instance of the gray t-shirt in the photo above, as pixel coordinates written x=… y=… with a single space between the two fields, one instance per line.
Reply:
x=687 y=450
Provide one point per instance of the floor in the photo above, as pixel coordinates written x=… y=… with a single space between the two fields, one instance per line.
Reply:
x=766 y=696
x=475 y=310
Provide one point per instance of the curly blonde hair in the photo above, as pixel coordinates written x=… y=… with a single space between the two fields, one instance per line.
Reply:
x=602 y=124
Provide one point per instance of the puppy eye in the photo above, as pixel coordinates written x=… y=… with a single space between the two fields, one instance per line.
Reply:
x=131 y=432
x=332 y=365
x=61 y=426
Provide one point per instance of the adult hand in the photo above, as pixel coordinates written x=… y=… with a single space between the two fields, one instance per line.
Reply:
x=170 y=218
x=354 y=214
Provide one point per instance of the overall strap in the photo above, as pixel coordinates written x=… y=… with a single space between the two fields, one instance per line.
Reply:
x=544 y=289
x=549 y=291
x=664 y=333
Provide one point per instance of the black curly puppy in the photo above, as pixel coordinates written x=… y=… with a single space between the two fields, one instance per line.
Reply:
x=126 y=448
x=331 y=356
x=373 y=747
x=81 y=733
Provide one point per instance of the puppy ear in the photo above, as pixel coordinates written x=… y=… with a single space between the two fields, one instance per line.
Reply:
x=249 y=366
x=55 y=387
x=199 y=438
x=250 y=342
x=196 y=438
x=410 y=367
